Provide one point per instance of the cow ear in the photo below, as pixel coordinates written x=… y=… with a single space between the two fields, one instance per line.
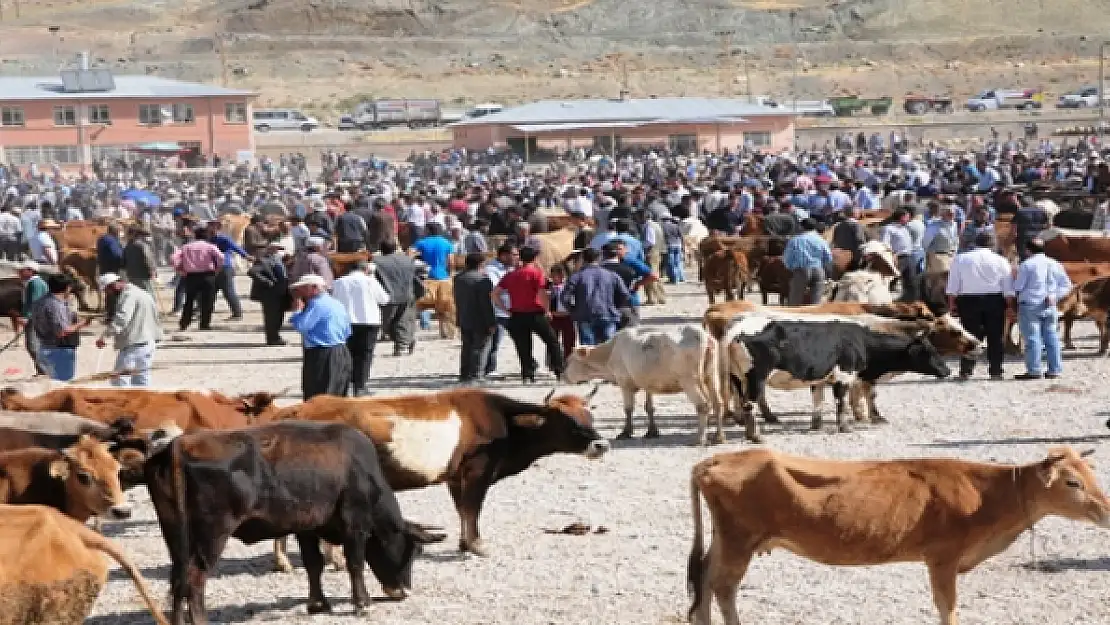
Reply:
x=533 y=421
x=1047 y=470
x=59 y=469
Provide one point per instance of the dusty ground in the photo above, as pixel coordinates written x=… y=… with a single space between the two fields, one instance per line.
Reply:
x=327 y=56
x=635 y=573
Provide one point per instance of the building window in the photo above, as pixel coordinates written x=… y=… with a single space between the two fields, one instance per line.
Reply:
x=757 y=139
x=23 y=155
x=183 y=114
x=235 y=113
x=11 y=116
x=65 y=116
x=150 y=114
x=61 y=155
x=683 y=143
x=99 y=114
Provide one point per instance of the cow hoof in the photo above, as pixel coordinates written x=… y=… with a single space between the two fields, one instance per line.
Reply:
x=772 y=419
x=319 y=607
x=879 y=420
x=844 y=428
x=475 y=547
x=815 y=427
x=652 y=433
x=1069 y=346
x=719 y=439
x=283 y=566
x=754 y=438
x=624 y=435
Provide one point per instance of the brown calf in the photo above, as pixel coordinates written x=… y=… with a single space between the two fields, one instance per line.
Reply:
x=726 y=270
x=81 y=481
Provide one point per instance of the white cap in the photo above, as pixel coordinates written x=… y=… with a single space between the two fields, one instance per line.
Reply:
x=309 y=279
x=28 y=264
x=105 y=279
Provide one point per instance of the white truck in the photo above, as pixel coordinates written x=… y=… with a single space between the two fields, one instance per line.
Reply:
x=997 y=99
x=1085 y=97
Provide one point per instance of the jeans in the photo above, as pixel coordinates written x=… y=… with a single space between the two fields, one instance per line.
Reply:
x=1038 y=326
x=675 y=270
x=596 y=331
x=60 y=362
x=136 y=358
x=425 y=319
x=474 y=344
x=225 y=281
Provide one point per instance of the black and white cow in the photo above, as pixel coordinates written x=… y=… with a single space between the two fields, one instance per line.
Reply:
x=835 y=352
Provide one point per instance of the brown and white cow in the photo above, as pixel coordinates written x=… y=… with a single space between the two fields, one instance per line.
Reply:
x=52 y=568
x=81 y=481
x=1089 y=300
x=467 y=438
x=189 y=410
x=949 y=514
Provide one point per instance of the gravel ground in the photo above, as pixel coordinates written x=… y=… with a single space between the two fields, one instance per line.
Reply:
x=635 y=573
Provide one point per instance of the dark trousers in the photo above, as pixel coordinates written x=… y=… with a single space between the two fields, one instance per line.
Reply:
x=984 y=316
x=361 y=346
x=399 y=321
x=200 y=289
x=345 y=246
x=273 y=317
x=9 y=249
x=490 y=364
x=326 y=371
x=225 y=281
x=907 y=267
x=474 y=344
x=521 y=328
x=564 y=329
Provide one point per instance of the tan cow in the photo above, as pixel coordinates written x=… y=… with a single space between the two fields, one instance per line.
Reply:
x=1076 y=245
x=948 y=514
x=81 y=481
x=718 y=315
x=439 y=296
x=1090 y=300
x=52 y=568
x=79 y=235
x=555 y=247
x=726 y=270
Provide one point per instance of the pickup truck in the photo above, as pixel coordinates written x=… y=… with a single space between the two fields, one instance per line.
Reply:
x=1086 y=97
x=995 y=99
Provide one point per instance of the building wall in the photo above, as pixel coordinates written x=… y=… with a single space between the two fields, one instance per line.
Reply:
x=769 y=133
x=67 y=144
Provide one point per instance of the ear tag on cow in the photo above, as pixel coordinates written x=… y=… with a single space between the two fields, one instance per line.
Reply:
x=59 y=469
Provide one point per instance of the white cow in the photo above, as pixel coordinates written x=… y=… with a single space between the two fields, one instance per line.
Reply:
x=693 y=231
x=869 y=287
x=642 y=359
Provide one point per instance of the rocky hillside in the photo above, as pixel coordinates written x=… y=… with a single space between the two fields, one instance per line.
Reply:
x=327 y=53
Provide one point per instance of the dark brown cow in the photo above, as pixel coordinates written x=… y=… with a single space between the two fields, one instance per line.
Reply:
x=725 y=270
x=151 y=410
x=343 y=262
x=81 y=481
x=1077 y=246
x=774 y=277
x=81 y=264
x=466 y=438
x=1091 y=300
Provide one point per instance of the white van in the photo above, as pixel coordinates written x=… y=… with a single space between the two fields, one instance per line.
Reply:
x=266 y=120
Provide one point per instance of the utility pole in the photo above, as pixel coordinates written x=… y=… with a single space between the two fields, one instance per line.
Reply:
x=748 y=90
x=1101 y=90
x=794 y=60
x=221 y=52
x=724 y=69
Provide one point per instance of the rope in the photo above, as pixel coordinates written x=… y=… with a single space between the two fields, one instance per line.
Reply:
x=12 y=342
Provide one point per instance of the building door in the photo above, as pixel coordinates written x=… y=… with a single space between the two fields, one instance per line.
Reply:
x=516 y=145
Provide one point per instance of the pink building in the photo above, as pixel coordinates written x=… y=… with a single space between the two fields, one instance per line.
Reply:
x=85 y=115
x=681 y=124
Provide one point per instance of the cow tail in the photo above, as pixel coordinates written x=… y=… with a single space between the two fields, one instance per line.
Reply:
x=697 y=564
x=709 y=374
x=179 y=584
x=92 y=540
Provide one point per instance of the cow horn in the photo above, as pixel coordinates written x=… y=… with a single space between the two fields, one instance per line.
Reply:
x=1087 y=453
x=549 y=395
x=596 y=388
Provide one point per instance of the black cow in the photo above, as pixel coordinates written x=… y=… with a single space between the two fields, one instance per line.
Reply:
x=316 y=481
x=809 y=351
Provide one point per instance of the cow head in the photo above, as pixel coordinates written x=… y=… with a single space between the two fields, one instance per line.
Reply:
x=948 y=335
x=565 y=425
x=390 y=551
x=92 y=480
x=1066 y=486
x=922 y=357
x=581 y=368
x=258 y=405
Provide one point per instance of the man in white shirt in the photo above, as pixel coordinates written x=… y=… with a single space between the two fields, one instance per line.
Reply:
x=978 y=283
x=44 y=249
x=898 y=237
x=29 y=220
x=11 y=231
x=135 y=327
x=363 y=296
x=508 y=257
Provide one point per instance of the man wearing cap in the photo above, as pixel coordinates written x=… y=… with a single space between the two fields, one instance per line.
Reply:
x=806 y=256
x=134 y=326
x=44 y=249
x=312 y=260
x=34 y=288
x=270 y=288
x=138 y=259
x=325 y=327
x=197 y=263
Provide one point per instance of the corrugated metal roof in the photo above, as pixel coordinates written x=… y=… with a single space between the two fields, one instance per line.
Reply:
x=50 y=88
x=573 y=126
x=676 y=110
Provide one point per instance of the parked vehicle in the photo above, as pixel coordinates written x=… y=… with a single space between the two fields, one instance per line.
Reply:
x=346 y=122
x=1085 y=97
x=386 y=113
x=807 y=108
x=917 y=104
x=488 y=108
x=996 y=99
x=845 y=106
x=265 y=120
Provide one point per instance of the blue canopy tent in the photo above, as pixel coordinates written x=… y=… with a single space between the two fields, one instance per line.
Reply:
x=141 y=195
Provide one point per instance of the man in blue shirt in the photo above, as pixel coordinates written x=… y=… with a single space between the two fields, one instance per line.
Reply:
x=225 y=279
x=1040 y=283
x=435 y=250
x=109 y=251
x=634 y=273
x=594 y=297
x=806 y=256
x=325 y=327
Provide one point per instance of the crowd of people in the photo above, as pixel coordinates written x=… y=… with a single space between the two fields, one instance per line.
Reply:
x=942 y=208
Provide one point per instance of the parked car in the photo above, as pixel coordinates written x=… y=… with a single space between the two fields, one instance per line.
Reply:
x=346 y=122
x=1085 y=97
x=995 y=99
x=266 y=120
x=488 y=108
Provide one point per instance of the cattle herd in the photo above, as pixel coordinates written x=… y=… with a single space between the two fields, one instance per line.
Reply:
x=326 y=470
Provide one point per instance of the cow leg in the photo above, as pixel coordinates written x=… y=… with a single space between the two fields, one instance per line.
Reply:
x=817 y=395
x=281 y=556
x=765 y=410
x=649 y=406
x=942 y=577
x=354 y=548
x=333 y=555
x=1067 y=321
x=840 y=390
x=872 y=407
x=726 y=568
x=469 y=492
x=696 y=393
x=314 y=564
x=751 y=429
x=629 y=397
x=856 y=401
x=1103 y=333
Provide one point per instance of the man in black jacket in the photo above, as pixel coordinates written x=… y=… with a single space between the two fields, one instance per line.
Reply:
x=350 y=232
x=270 y=287
x=474 y=315
x=397 y=272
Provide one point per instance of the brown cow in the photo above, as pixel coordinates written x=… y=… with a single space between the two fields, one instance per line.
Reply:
x=466 y=438
x=343 y=262
x=1091 y=300
x=51 y=568
x=718 y=315
x=151 y=409
x=1076 y=245
x=725 y=270
x=774 y=277
x=439 y=296
x=1082 y=271
x=81 y=481
x=949 y=514
x=79 y=235
x=555 y=246
x=81 y=264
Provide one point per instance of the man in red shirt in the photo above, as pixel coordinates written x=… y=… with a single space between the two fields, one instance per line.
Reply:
x=529 y=313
